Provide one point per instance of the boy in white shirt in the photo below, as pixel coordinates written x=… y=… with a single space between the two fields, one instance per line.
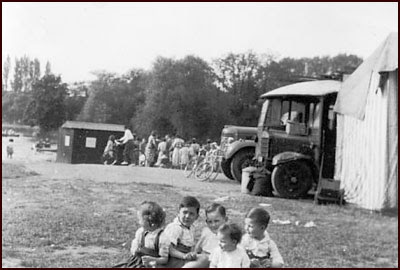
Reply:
x=263 y=252
x=229 y=254
x=180 y=233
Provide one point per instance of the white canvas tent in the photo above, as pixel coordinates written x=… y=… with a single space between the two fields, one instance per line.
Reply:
x=367 y=132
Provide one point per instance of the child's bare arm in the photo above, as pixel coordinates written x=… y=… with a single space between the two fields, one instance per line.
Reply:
x=198 y=248
x=180 y=255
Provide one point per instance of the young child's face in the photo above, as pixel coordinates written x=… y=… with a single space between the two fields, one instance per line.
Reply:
x=254 y=229
x=215 y=220
x=188 y=215
x=225 y=242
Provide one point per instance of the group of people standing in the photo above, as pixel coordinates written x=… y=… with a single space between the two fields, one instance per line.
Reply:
x=167 y=151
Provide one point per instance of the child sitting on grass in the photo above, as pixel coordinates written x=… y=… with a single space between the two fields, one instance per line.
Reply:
x=215 y=217
x=150 y=247
x=262 y=251
x=229 y=254
x=180 y=233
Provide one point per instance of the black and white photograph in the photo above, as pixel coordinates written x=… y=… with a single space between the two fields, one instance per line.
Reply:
x=200 y=134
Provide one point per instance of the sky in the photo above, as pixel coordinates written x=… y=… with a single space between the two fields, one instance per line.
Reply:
x=79 y=38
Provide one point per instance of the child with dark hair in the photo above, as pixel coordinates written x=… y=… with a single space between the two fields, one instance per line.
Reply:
x=150 y=247
x=263 y=252
x=229 y=254
x=180 y=233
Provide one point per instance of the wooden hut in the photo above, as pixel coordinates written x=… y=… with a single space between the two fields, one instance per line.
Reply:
x=84 y=142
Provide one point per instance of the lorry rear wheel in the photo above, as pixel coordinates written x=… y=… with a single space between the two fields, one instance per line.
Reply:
x=226 y=168
x=292 y=179
x=241 y=160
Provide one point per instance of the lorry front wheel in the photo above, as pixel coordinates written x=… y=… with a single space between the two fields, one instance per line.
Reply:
x=292 y=179
x=241 y=160
x=226 y=168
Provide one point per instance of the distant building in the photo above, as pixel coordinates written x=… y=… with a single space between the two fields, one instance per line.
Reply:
x=78 y=89
x=84 y=142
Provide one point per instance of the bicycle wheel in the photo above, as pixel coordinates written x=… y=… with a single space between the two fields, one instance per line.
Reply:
x=215 y=172
x=189 y=168
x=203 y=171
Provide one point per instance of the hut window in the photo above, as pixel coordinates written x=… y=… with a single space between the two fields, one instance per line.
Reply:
x=66 y=140
x=90 y=142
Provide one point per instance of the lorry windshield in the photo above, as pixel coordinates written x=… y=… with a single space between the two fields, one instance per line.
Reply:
x=278 y=112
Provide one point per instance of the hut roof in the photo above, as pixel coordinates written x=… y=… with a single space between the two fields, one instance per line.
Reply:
x=93 y=126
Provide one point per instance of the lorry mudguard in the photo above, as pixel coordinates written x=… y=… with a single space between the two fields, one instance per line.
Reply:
x=234 y=147
x=285 y=157
x=289 y=156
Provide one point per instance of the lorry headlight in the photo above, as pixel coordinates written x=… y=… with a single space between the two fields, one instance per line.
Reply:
x=230 y=140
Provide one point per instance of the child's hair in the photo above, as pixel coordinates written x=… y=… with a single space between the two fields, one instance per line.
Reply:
x=233 y=230
x=190 y=201
x=259 y=215
x=11 y=140
x=111 y=138
x=153 y=213
x=216 y=207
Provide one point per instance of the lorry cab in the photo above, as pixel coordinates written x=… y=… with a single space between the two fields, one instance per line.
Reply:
x=297 y=135
x=238 y=147
x=231 y=134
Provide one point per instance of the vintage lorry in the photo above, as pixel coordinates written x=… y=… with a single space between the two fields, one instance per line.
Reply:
x=238 y=146
x=296 y=135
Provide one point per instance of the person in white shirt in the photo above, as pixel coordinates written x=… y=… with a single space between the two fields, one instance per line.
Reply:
x=215 y=217
x=129 y=147
x=180 y=233
x=229 y=254
x=263 y=252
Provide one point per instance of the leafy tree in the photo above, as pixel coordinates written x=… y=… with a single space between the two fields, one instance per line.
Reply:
x=34 y=71
x=239 y=75
x=318 y=67
x=17 y=84
x=6 y=73
x=114 y=99
x=182 y=98
x=26 y=73
x=14 y=106
x=74 y=102
x=48 y=68
x=48 y=102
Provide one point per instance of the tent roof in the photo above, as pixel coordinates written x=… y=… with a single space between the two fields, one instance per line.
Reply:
x=352 y=97
x=313 y=88
x=93 y=126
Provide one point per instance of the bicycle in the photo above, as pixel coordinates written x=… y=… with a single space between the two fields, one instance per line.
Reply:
x=210 y=167
x=193 y=164
x=217 y=166
x=204 y=170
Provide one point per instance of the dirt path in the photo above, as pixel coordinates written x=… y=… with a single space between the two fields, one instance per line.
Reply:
x=44 y=164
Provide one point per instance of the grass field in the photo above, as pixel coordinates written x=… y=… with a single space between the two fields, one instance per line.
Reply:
x=82 y=223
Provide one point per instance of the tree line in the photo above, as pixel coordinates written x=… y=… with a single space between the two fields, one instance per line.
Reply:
x=188 y=96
